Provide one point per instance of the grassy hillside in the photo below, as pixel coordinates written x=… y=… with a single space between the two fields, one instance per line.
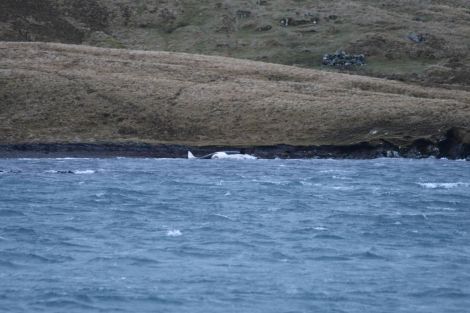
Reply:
x=251 y=29
x=67 y=93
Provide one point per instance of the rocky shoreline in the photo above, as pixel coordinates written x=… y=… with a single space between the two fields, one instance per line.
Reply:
x=452 y=148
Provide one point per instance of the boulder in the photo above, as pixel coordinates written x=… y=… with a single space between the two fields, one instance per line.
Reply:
x=342 y=59
x=243 y=14
x=288 y=21
x=264 y=28
x=415 y=37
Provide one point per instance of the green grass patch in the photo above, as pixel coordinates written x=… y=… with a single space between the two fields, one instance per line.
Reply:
x=399 y=66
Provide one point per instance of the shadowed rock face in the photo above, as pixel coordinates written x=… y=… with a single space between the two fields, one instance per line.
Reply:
x=55 y=93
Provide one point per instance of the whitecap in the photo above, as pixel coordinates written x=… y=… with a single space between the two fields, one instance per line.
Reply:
x=444 y=185
x=78 y=172
x=223 y=216
x=342 y=188
x=334 y=171
x=269 y=181
x=448 y=209
x=341 y=177
x=173 y=233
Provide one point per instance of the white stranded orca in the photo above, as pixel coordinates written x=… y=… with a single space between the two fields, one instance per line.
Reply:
x=231 y=155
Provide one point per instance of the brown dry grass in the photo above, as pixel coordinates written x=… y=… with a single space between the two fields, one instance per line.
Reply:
x=65 y=93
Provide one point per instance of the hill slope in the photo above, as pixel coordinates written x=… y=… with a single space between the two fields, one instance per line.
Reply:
x=64 y=93
x=251 y=29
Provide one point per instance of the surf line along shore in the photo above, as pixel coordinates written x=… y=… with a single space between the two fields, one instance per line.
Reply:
x=450 y=148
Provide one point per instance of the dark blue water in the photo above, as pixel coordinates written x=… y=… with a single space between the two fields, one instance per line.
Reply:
x=130 y=235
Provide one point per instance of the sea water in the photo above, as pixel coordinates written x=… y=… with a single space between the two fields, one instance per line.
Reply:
x=149 y=235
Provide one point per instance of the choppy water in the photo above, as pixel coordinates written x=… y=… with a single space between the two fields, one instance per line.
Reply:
x=130 y=235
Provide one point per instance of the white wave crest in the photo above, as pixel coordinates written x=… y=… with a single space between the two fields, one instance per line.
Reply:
x=173 y=233
x=444 y=185
x=342 y=188
x=84 y=172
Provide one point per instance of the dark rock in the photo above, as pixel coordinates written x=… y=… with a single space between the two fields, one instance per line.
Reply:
x=302 y=22
x=264 y=28
x=420 y=148
x=417 y=38
x=456 y=145
x=288 y=21
x=309 y=30
x=243 y=14
x=285 y=21
x=342 y=59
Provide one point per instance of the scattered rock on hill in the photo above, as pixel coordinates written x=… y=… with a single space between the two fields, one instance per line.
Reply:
x=417 y=38
x=264 y=28
x=342 y=59
x=288 y=21
x=243 y=14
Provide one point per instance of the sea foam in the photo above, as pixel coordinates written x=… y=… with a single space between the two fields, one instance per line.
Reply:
x=444 y=185
x=84 y=172
x=173 y=233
